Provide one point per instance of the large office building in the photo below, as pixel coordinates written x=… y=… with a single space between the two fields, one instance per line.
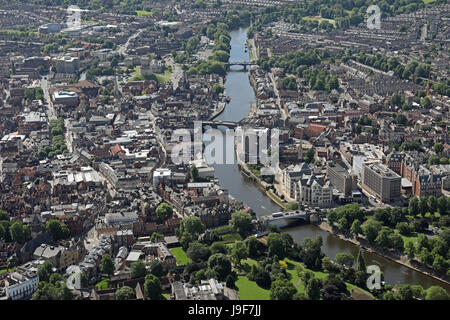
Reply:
x=381 y=182
x=66 y=64
x=340 y=178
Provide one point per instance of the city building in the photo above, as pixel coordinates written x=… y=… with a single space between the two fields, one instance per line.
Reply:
x=291 y=175
x=66 y=64
x=340 y=178
x=21 y=284
x=381 y=182
x=314 y=191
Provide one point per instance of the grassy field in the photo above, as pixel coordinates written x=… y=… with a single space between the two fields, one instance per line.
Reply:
x=413 y=238
x=249 y=290
x=181 y=256
x=162 y=78
x=319 y=19
x=103 y=285
x=159 y=77
x=144 y=13
x=3 y=271
x=294 y=278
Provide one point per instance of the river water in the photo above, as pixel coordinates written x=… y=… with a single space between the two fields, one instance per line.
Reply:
x=238 y=87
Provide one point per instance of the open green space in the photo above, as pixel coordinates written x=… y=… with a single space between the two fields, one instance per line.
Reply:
x=249 y=290
x=143 y=13
x=180 y=255
x=319 y=19
x=103 y=285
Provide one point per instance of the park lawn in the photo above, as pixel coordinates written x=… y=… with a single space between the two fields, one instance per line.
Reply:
x=103 y=285
x=412 y=239
x=250 y=262
x=249 y=290
x=166 y=296
x=180 y=255
x=3 y=271
x=319 y=19
x=143 y=13
x=351 y=287
x=162 y=78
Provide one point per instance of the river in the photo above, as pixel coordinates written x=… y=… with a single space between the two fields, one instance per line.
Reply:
x=237 y=86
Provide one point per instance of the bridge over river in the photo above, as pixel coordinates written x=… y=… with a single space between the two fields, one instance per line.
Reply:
x=289 y=215
x=239 y=63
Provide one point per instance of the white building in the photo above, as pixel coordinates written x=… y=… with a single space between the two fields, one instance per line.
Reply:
x=314 y=191
x=291 y=175
x=21 y=285
x=161 y=175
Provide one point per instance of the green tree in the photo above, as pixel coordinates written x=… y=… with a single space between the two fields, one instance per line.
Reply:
x=255 y=247
x=370 y=228
x=423 y=205
x=309 y=156
x=282 y=289
x=311 y=253
x=220 y=264
x=19 y=233
x=194 y=173
x=436 y=293
x=45 y=270
x=156 y=237
x=291 y=206
x=217 y=89
x=238 y=252
x=56 y=230
x=164 y=211
x=442 y=205
x=410 y=250
x=413 y=207
x=426 y=103
x=383 y=238
x=355 y=229
x=360 y=262
x=276 y=246
x=344 y=259
x=218 y=247
x=4 y=216
x=192 y=225
x=313 y=289
x=125 y=293
x=107 y=265
x=152 y=287
x=241 y=222
x=198 y=252
x=156 y=268
x=138 y=269
x=438 y=147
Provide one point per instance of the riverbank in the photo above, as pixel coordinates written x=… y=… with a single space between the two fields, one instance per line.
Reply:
x=238 y=86
x=403 y=260
x=261 y=185
x=216 y=113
